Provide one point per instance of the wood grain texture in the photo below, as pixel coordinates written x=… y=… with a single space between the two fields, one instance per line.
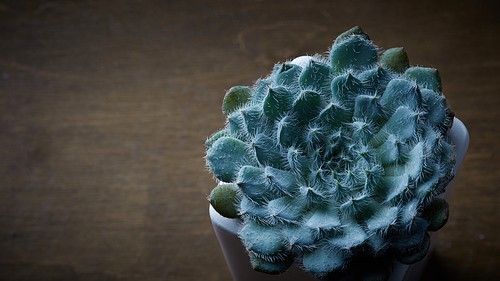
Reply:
x=105 y=106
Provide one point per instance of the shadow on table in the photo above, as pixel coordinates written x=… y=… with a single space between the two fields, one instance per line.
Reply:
x=435 y=270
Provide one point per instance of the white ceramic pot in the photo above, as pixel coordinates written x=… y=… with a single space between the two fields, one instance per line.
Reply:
x=239 y=263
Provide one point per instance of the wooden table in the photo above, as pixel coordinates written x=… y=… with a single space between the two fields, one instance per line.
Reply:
x=105 y=107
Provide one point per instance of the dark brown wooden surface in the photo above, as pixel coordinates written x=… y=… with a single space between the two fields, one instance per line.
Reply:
x=105 y=106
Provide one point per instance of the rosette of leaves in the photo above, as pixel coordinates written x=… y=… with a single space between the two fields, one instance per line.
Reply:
x=336 y=162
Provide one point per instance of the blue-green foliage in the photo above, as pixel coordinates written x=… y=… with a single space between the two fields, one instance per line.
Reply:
x=337 y=160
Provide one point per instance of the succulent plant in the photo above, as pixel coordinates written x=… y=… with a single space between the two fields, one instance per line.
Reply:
x=336 y=163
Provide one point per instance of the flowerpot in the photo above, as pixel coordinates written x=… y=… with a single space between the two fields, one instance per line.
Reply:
x=238 y=261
